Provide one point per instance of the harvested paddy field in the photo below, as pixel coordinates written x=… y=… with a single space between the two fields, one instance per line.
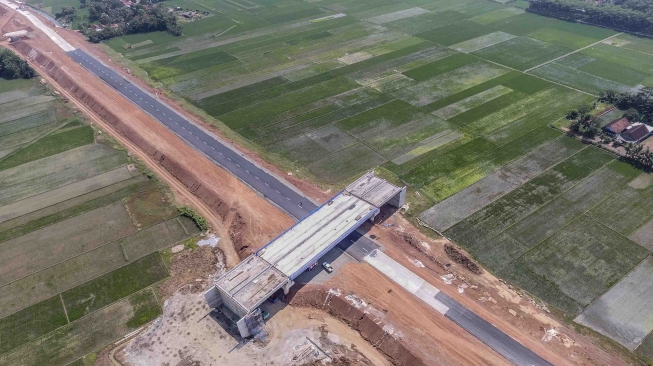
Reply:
x=81 y=228
x=455 y=99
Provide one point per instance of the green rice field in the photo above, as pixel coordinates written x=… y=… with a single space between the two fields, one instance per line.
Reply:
x=290 y=76
x=81 y=229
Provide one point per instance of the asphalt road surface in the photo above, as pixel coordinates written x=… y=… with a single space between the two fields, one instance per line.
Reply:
x=487 y=333
x=295 y=204
x=263 y=182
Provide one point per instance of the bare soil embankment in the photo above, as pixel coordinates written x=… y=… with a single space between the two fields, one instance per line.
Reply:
x=214 y=192
x=370 y=324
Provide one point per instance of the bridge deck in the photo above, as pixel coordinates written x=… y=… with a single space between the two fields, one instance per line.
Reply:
x=302 y=244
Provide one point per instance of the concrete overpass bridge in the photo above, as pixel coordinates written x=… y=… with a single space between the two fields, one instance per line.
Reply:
x=275 y=266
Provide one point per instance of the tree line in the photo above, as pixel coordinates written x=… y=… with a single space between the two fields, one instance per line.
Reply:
x=583 y=122
x=638 y=106
x=630 y=15
x=118 y=19
x=67 y=14
x=13 y=67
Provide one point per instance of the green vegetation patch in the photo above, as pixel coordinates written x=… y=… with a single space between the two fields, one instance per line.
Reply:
x=373 y=114
x=473 y=101
x=475 y=232
x=440 y=66
x=562 y=72
x=38 y=219
x=138 y=55
x=241 y=92
x=584 y=259
x=460 y=156
x=561 y=38
x=398 y=132
x=497 y=15
x=646 y=347
x=574 y=202
x=505 y=116
x=486 y=109
x=15 y=84
x=455 y=33
x=617 y=73
x=452 y=181
x=346 y=163
x=481 y=42
x=295 y=127
x=71 y=342
x=632 y=59
x=345 y=70
x=242 y=97
x=50 y=145
x=186 y=63
x=633 y=43
x=29 y=122
x=426 y=22
x=522 y=53
x=629 y=208
x=545 y=115
x=64 y=240
x=522 y=24
x=282 y=18
x=448 y=83
x=623 y=313
x=268 y=111
x=149 y=207
x=479 y=88
x=93 y=295
x=89 y=265
x=30 y=323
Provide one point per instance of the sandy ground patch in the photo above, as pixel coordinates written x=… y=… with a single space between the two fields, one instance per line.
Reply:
x=189 y=333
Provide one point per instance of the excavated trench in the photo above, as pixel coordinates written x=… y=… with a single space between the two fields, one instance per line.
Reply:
x=368 y=322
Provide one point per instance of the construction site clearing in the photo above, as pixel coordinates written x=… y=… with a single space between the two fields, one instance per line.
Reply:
x=278 y=263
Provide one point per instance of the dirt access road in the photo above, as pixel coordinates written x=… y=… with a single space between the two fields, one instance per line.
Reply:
x=258 y=221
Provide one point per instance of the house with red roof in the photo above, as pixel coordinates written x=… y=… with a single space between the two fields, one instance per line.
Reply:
x=622 y=130
x=615 y=127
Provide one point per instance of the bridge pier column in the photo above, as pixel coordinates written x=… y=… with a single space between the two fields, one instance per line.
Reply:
x=287 y=286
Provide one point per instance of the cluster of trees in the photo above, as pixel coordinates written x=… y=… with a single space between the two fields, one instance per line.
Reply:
x=583 y=122
x=638 y=106
x=639 y=154
x=128 y=20
x=67 y=14
x=13 y=67
x=630 y=15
